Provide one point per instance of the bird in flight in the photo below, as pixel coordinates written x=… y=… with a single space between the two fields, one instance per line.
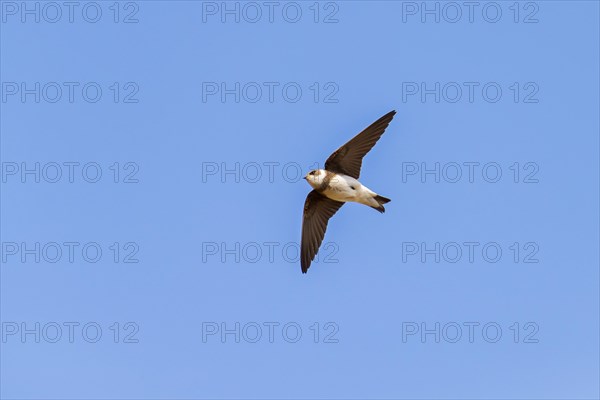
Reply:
x=337 y=184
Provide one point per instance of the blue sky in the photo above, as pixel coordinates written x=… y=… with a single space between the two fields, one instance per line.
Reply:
x=151 y=200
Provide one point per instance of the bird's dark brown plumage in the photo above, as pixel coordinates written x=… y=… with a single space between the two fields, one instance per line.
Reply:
x=317 y=211
x=347 y=159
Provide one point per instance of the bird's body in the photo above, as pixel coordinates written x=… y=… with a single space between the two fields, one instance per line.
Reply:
x=343 y=188
x=338 y=184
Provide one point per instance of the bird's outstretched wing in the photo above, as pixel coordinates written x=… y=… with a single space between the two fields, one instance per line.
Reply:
x=317 y=211
x=347 y=159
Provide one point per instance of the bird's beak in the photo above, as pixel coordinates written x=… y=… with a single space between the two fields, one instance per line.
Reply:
x=304 y=178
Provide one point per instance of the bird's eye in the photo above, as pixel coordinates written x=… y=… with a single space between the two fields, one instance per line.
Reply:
x=312 y=172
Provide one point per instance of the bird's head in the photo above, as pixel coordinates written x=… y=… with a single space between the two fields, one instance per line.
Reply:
x=315 y=177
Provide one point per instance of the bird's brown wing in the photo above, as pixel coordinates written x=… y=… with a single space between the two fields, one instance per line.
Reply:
x=317 y=211
x=347 y=159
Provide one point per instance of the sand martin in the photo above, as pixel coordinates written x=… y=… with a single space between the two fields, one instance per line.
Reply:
x=337 y=184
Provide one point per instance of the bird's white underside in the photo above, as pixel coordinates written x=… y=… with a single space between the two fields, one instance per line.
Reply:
x=344 y=188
